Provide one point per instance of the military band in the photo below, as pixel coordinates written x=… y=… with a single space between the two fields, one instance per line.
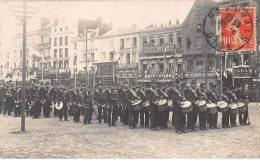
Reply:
x=148 y=105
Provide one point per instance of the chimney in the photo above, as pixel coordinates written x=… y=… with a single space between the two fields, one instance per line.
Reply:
x=177 y=21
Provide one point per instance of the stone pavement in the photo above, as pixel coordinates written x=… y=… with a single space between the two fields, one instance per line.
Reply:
x=50 y=138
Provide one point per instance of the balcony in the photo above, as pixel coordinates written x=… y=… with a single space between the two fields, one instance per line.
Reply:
x=127 y=66
x=44 y=46
x=161 y=49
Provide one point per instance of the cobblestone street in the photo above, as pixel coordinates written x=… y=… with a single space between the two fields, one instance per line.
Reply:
x=50 y=138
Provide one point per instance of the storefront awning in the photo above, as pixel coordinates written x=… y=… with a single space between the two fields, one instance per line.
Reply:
x=155 y=57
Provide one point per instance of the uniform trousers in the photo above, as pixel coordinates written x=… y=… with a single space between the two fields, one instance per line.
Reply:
x=100 y=110
x=87 y=115
x=163 y=118
x=243 y=117
x=1 y=107
x=47 y=108
x=225 y=119
x=64 y=111
x=111 y=116
x=203 y=119
x=36 y=109
x=212 y=119
x=76 y=112
x=179 y=119
x=17 y=111
x=192 y=118
x=132 y=116
x=144 y=117
x=233 y=118
x=125 y=113
x=153 y=115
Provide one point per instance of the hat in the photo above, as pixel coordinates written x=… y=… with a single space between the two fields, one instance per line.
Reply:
x=202 y=85
x=47 y=83
x=193 y=82
x=139 y=83
x=177 y=81
x=77 y=85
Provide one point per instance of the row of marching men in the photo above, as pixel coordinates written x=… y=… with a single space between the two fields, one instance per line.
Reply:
x=151 y=103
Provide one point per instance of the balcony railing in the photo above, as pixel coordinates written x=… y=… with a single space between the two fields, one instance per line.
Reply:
x=161 y=49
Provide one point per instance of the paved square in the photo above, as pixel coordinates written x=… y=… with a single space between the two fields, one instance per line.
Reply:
x=50 y=138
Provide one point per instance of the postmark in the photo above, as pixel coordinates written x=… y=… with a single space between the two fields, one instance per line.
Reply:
x=234 y=30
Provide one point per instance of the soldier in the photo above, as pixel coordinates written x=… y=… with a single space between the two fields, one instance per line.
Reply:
x=2 y=92
x=242 y=97
x=232 y=97
x=37 y=104
x=212 y=97
x=17 y=108
x=86 y=98
x=225 y=115
x=202 y=115
x=144 y=112
x=191 y=95
x=63 y=112
x=163 y=116
x=99 y=101
x=47 y=102
x=113 y=100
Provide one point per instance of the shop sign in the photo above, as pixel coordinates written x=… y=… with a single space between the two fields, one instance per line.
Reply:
x=242 y=70
x=200 y=75
x=167 y=75
x=126 y=75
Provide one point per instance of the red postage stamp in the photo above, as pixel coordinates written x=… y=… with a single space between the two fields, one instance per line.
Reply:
x=237 y=29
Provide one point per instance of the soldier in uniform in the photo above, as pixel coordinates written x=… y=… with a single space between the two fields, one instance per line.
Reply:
x=191 y=95
x=63 y=112
x=212 y=97
x=47 y=102
x=232 y=97
x=225 y=115
x=37 y=104
x=202 y=115
x=2 y=92
x=17 y=108
x=99 y=100
x=112 y=111
x=163 y=116
x=144 y=112
x=86 y=98
x=241 y=96
x=76 y=105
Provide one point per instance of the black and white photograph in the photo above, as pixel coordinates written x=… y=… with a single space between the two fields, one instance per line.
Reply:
x=130 y=79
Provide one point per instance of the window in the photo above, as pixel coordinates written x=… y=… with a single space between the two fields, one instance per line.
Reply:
x=170 y=38
x=103 y=54
x=41 y=40
x=144 y=42
x=211 y=65
x=134 y=42
x=128 y=58
x=111 y=56
x=179 y=69
x=245 y=59
x=75 y=45
x=198 y=27
x=144 y=66
x=198 y=42
x=161 y=67
x=152 y=40
x=188 y=43
x=179 y=41
x=153 y=65
x=122 y=45
x=92 y=56
x=61 y=29
x=170 y=66
x=235 y=61
x=55 y=41
x=128 y=43
x=134 y=57
x=66 y=64
x=66 y=52
x=161 y=41
x=55 y=53
x=54 y=64
x=55 y=30
x=60 y=64
x=199 y=67
x=60 y=41
x=66 y=40
x=66 y=28
x=61 y=53
x=189 y=65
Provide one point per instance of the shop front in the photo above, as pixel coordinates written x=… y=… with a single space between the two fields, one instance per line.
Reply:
x=106 y=72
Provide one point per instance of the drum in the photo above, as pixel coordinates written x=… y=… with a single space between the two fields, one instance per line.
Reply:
x=186 y=107
x=222 y=106
x=59 y=105
x=233 y=107
x=201 y=105
x=137 y=105
x=211 y=108
x=241 y=107
x=162 y=105
x=146 y=104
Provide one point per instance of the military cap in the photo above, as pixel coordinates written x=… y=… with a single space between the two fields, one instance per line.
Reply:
x=139 y=83
x=202 y=85
x=193 y=82
x=77 y=85
x=177 y=81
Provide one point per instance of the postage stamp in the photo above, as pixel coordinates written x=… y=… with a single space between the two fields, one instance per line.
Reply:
x=237 y=30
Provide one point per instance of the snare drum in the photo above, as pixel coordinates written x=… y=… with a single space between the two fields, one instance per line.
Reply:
x=162 y=105
x=186 y=107
x=137 y=105
x=241 y=107
x=211 y=108
x=233 y=107
x=222 y=106
x=201 y=105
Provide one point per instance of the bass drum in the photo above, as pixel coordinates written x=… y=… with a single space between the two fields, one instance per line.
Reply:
x=186 y=107
x=59 y=105
x=241 y=107
x=201 y=105
x=222 y=106
x=211 y=108
x=233 y=108
x=162 y=105
x=137 y=105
